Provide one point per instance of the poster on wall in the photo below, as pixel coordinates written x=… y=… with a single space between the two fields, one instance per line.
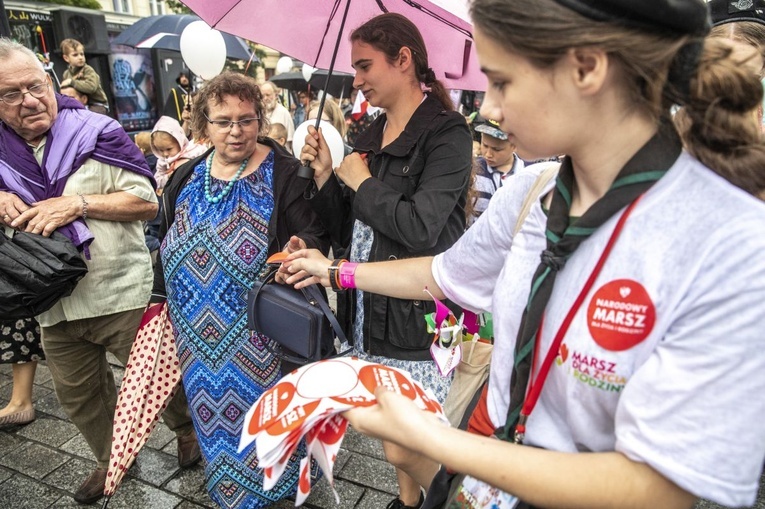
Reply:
x=133 y=86
x=32 y=29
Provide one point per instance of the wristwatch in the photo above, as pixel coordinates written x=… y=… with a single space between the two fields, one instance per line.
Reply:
x=334 y=274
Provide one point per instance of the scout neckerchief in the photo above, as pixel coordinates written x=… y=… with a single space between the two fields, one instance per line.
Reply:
x=646 y=167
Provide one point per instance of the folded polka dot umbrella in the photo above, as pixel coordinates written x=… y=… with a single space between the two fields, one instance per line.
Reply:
x=151 y=378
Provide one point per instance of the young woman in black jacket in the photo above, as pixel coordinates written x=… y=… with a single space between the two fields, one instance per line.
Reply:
x=404 y=195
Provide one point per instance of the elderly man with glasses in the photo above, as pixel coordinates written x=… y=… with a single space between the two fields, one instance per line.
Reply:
x=67 y=169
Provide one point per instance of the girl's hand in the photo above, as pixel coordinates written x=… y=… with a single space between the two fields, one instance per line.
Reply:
x=395 y=418
x=306 y=267
x=316 y=151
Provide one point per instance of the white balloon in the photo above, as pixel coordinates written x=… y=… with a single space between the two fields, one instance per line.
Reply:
x=284 y=64
x=308 y=72
x=333 y=138
x=203 y=49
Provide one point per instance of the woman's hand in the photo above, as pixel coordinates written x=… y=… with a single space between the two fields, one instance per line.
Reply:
x=295 y=244
x=354 y=170
x=316 y=151
x=306 y=267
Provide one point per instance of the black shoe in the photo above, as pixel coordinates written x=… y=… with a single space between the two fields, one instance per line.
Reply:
x=92 y=488
x=396 y=503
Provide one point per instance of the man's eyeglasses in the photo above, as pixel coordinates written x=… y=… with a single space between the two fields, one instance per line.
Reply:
x=17 y=97
x=226 y=125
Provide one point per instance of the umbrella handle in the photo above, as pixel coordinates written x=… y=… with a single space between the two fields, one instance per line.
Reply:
x=305 y=171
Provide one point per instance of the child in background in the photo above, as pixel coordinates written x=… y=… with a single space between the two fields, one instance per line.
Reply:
x=143 y=141
x=83 y=77
x=497 y=162
x=151 y=228
x=172 y=148
x=278 y=133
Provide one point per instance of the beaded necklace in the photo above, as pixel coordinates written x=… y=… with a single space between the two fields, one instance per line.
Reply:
x=208 y=179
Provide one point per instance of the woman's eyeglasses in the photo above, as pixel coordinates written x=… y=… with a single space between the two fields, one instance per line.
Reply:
x=17 y=96
x=226 y=125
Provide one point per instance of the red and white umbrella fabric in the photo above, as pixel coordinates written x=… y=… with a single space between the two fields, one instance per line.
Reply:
x=151 y=379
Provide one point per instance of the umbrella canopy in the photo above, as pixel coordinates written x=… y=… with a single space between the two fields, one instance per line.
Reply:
x=448 y=37
x=290 y=81
x=151 y=378
x=164 y=32
x=36 y=271
x=340 y=83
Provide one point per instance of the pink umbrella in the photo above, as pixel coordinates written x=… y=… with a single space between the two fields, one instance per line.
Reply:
x=307 y=30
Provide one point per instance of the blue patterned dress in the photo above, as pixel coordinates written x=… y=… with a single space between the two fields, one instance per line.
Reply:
x=211 y=255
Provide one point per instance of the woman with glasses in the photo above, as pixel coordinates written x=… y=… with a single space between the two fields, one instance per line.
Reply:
x=224 y=213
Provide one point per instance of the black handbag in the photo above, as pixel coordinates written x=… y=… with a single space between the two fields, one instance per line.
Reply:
x=300 y=321
x=36 y=271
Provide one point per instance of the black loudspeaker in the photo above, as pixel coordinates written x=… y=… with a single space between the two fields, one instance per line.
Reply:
x=88 y=28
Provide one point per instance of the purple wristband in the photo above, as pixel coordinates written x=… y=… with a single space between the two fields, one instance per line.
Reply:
x=347 y=275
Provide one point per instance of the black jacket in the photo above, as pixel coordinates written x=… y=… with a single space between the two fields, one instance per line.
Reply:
x=416 y=206
x=291 y=215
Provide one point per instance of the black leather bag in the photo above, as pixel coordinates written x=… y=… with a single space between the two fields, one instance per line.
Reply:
x=300 y=321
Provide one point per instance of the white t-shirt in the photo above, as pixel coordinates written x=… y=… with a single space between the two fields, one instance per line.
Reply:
x=664 y=360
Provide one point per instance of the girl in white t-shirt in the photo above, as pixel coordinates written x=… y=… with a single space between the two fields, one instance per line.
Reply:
x=642 y=323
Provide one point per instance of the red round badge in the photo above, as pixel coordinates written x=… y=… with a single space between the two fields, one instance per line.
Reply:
x=620 y=315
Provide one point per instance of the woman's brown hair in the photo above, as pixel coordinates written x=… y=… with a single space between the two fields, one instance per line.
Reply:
x=389 y=33
x=213 y=92
x=721 y=96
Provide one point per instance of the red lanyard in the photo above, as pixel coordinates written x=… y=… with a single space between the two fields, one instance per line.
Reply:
x=536 y=384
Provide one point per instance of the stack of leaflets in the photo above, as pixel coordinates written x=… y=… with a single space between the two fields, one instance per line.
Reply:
x=308 y=403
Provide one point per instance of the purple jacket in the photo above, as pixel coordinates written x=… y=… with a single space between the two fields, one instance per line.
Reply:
x=76 y=136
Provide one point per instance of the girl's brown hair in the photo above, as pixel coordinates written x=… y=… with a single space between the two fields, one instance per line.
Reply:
x=720 y=134
x=333 y=112
x=225 y=84
x=389 y=33
x=748 y=32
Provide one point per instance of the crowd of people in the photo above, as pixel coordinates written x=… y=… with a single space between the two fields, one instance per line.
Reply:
x=626 y=291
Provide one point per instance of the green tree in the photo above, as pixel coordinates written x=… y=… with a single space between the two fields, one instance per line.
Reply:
x=241 y=65
x=87 y=4
x=177 y=7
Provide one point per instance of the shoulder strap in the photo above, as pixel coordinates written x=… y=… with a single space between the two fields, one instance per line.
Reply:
x=177 y=106
x=314 y=294
x=533 y=195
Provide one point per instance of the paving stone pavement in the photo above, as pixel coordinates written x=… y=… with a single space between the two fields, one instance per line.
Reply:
x=43 y=463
